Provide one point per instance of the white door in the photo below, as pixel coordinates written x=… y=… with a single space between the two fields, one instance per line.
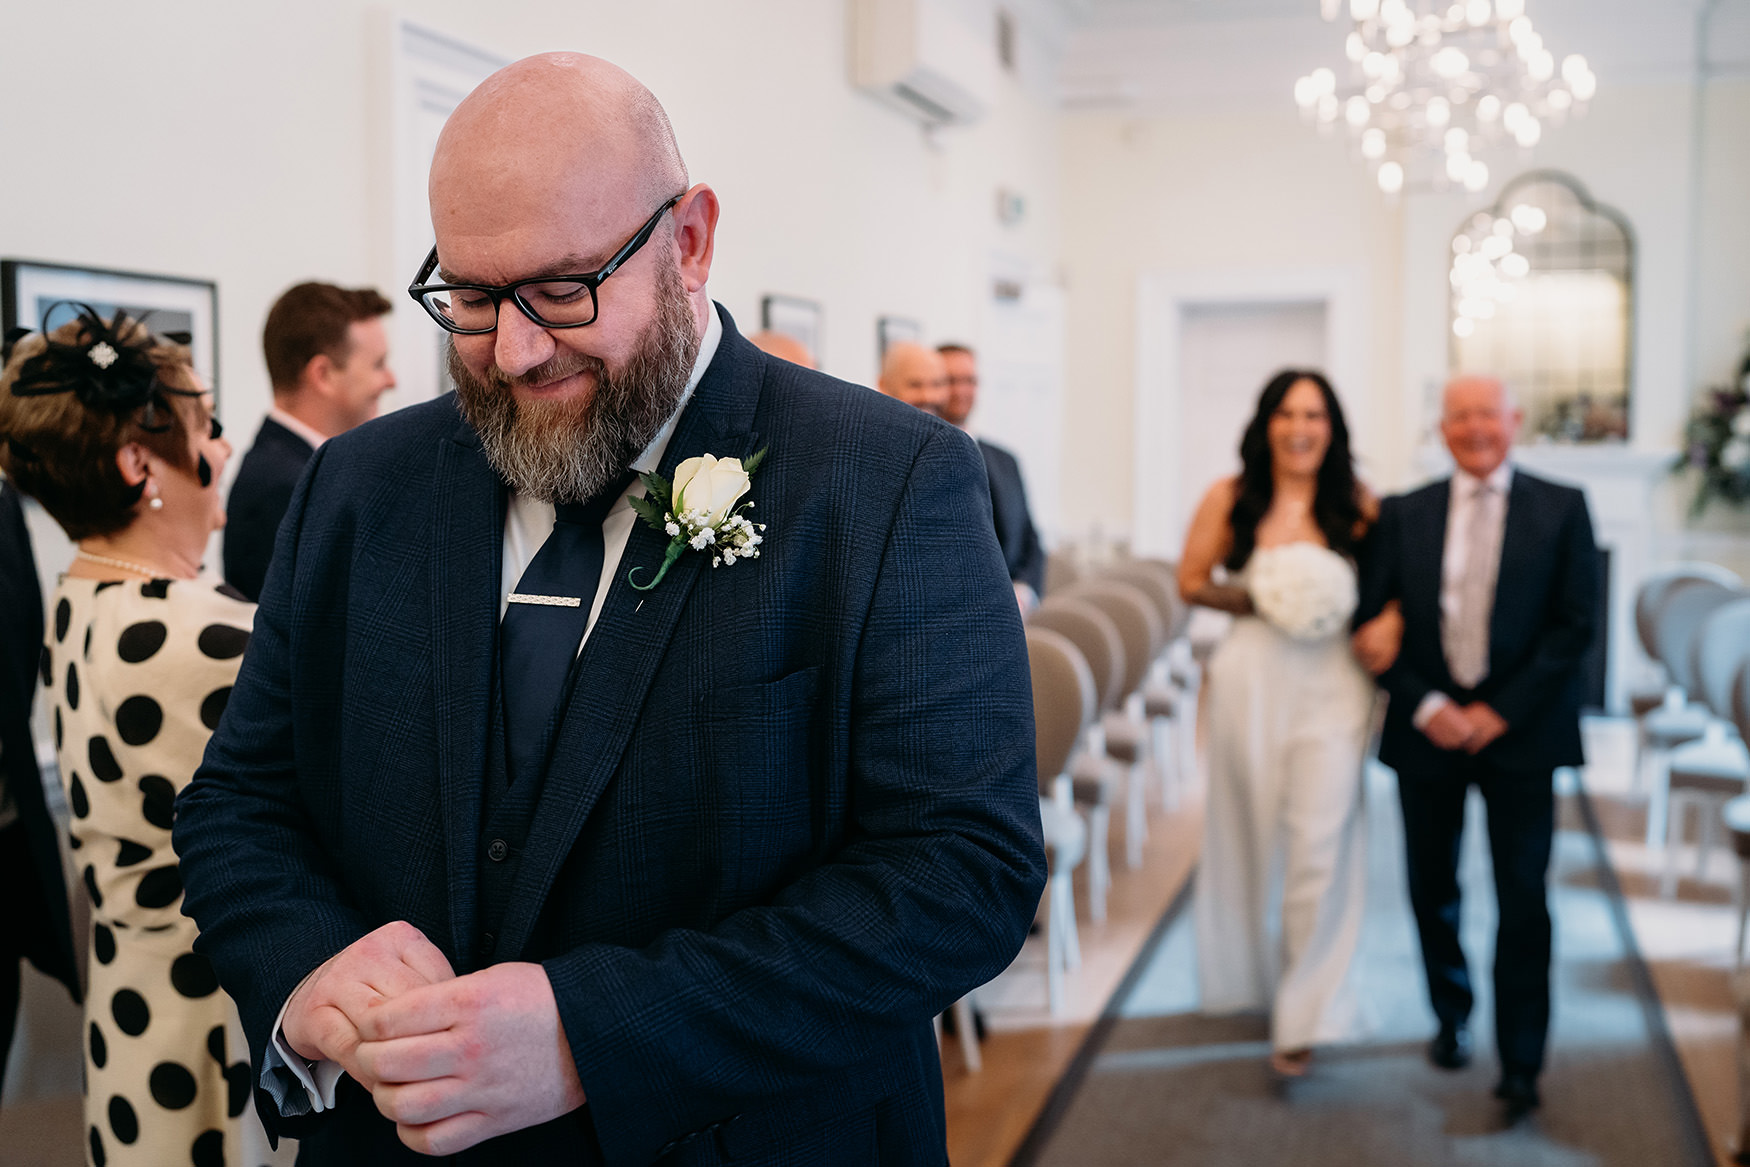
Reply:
x=1226 y=353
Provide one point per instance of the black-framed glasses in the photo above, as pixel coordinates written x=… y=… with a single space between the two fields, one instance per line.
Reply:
x=567 y=301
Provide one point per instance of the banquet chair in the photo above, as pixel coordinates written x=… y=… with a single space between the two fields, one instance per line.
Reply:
x=1736 y=816
x=1679 y=618
x=1063 y=707
x=1665 y=717
x=1125 y=731
x=1061 y=570
x=1168 y=698
x=1094 y=776
x=1713 y=769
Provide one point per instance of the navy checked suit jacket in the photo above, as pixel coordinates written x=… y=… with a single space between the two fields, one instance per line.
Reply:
x=258 y=501
x=1544 y=617
x=791 y=813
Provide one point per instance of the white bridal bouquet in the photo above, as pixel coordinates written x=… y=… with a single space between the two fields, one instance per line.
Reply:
x=1306 y=590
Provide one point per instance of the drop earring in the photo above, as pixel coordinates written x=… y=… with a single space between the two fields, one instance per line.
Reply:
x=153 y=500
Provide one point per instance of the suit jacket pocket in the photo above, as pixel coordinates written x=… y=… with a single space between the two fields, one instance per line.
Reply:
x=761 y=750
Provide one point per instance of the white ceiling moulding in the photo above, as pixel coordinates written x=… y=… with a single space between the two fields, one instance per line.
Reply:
x=933 y=60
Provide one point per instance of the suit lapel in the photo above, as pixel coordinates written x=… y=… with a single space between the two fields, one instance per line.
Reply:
x=629 y=640
x=1430 y=536
x=467 y=545
x=1518 y=548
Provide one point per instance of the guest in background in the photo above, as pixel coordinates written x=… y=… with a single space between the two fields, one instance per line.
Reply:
x=783 y=346
x=1497 y=574
x=110 y=428
x=34 y=923
x=1290 y=713
x=1022 y=550
x=914 y=374
x=328 y=358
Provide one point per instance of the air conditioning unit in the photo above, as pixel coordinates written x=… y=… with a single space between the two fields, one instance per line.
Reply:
x=934 y=60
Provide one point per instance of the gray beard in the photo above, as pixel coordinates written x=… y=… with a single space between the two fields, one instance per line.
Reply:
x=564 y=451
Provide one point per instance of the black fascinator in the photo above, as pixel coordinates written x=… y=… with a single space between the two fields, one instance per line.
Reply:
x=108 y=366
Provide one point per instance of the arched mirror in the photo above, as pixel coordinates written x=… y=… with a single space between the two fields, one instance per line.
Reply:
x=1543 y=295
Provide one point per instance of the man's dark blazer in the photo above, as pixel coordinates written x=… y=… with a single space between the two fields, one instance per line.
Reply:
x=258 y=500
x=1545 y=615
x=36 y=918
x=791 y=812
x=1022 y=551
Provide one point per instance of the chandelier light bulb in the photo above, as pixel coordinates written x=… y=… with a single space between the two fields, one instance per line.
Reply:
x=1373 y=144
x=1328 y=108
x=1356 y=111
x=1439 y=111
x=1488 y=107
x=1463 y=327
x=1450 y=63
x=1504 y=229
x=1324 y=81
x=1495 y=247
x=1515 y=266
x=1457 y=141
x=1391 y=178
x=1560 y=100
x=1584 y=86
x=1373 y=65
x=1528 y=132
x=1519 y=29
x=1400 y=34
x=1461 y=245
x=1330 y=9
x=1477 y=177
x=1574 y=67
x=1305 y=95
x=1529 y=219
x=1513 y=116
x=1542 y=65
x=1509 y=9
x=1395 y=12
x=1458 y=167
x=1363 y=9
x=1477 y=12
x=1354 y=47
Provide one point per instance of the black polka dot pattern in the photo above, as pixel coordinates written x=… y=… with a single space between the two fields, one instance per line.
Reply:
x=159 y=806
x=131 y=854
x=130 y=1012
x=63 y=618
x=213 y=707
x=222 y=641
x=46 y=667
x=77 y=800
x=60 y=734
x=103 y=944
x=208 y=1150
x=159 y=888
x=98 y=1155
x=124 y=1124
x=216 y=1044
x=156 y=589
x=172 y=1086
x=138 y=719
x=140 y=642
x=72 y=689
x=104 y=767
x=91 y=888
x=99 y=1047
x=236 y=1088
x=191 y=974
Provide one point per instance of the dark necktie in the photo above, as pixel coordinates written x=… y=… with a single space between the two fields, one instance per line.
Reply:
x=543 y=625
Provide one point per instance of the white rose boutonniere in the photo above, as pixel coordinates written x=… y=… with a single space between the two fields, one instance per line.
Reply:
x=701 y=511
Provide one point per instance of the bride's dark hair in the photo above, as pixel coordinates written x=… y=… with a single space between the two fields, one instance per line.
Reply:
x=1336 y=504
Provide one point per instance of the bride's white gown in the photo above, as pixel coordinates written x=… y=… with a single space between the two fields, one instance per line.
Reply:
x=1281 y=877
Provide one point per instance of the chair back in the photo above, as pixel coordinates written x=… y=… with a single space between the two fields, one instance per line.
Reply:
x=1138 y=623
x=1160 y=584
x=1060 y=570
x=1063 y=700
x=1680 y=617
x=1718 y=652
x=1095 y=637
x=1656 y=588
x=1741 y=701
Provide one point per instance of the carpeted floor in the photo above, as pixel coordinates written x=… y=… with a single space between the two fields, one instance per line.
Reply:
x=1160 y=1085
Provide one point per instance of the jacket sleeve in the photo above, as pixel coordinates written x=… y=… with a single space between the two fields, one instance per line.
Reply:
x=930 y=895
x=1570 y=620
x=1381 y=568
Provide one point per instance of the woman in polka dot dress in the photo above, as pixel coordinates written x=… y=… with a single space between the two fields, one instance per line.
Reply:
x=110 y=428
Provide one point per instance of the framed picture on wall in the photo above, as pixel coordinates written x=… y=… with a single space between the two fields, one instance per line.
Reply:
x=169 y=304
x=795 y=317
x=891 y=329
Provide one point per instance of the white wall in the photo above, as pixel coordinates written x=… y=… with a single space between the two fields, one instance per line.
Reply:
x=248 y=143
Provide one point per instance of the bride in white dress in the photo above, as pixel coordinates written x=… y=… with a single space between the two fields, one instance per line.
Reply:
x=1280 y=883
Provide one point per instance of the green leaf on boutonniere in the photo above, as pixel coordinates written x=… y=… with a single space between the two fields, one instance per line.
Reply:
x=753 y=463
x=658 y=489
x=647 y=510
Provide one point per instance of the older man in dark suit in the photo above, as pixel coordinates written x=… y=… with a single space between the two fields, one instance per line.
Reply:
x=692 y=891
x=1497 y=575
x=34 y=922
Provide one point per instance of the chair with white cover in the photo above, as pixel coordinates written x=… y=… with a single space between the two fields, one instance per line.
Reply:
x=1665 y=717
x=1125 y=731
x=1094 y=778
x=1678 y=620
x=1063 y=707
x=1712 y=770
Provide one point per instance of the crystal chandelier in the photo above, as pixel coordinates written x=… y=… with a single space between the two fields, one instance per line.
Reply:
x=1432 y=89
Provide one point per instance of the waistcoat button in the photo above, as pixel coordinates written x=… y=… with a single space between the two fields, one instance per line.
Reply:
x=497 y=850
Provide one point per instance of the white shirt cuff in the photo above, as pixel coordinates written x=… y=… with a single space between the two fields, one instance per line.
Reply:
x=283 y=1072
x=1433 y=703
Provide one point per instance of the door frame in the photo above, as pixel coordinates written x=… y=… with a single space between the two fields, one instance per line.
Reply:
x=1159 y=513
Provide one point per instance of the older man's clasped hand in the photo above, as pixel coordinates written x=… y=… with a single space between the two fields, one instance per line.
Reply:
x=451 y=1060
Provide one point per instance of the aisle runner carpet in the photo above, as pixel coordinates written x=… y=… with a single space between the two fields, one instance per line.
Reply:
x=1160 y=1085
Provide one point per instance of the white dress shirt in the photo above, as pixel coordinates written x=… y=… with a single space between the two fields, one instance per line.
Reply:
x=302 y=428
x=1456 y=556
x=527 y=523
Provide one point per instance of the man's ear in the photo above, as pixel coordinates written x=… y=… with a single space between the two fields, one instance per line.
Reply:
x=131 y=461
x=318 y=374
x=695 y=234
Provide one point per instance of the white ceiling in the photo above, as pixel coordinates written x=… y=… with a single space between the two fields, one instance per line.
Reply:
x=1164 y=54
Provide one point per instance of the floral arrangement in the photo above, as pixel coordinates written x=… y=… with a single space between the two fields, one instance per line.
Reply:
x=1717 y=443
x=1303 y=589
x=700 y=512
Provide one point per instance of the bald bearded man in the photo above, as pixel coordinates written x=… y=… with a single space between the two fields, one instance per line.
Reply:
x=512 y=848
x=915 y=375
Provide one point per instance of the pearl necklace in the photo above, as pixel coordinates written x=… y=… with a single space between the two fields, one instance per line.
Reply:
x=124 y=564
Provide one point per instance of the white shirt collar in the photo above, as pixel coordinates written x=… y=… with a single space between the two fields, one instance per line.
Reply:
x=1500 y=478
x=303 y=429
x=651 y=458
